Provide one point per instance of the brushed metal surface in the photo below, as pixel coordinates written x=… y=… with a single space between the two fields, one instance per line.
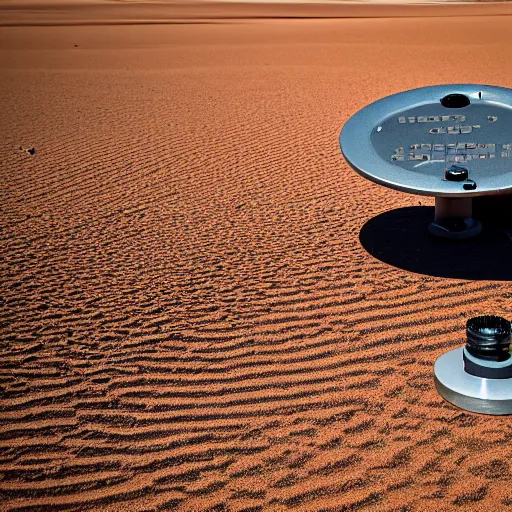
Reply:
x=485 y=396
x=370 y=138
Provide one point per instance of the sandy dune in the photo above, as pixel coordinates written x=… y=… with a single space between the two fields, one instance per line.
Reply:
x=122 y=12
x=190 y=319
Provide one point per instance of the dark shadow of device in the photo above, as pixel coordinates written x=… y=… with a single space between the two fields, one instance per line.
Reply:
x=400 y=238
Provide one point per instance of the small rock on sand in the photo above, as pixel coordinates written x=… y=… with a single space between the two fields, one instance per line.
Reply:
x=30 y=151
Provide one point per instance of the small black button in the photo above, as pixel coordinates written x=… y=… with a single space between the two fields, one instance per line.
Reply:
x=470 y=185
x=456 y=173
x=455 y=101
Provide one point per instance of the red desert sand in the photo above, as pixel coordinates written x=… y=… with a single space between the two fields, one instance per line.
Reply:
x=203 y=308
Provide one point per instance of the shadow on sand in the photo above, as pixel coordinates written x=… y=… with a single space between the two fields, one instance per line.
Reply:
x=400 y=238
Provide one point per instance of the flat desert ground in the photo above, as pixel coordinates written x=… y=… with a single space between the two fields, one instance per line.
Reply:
x=203 y=308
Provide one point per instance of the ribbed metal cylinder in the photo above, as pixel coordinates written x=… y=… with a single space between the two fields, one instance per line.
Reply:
x=488 y=337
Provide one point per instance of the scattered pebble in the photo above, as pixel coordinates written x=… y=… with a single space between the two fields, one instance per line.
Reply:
x=30 y=151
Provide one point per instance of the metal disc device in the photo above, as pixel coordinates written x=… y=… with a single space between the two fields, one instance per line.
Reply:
x=453 y=142
x=478 y=377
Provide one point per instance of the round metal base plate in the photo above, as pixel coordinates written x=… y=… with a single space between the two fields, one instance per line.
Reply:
x=473 y=228
x=485 y=396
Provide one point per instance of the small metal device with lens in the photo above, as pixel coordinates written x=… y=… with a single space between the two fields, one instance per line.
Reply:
x=478 y=377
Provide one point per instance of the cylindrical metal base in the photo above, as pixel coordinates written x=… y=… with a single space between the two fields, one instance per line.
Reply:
x=446 y=207
x=453 y=219
x=475 y=394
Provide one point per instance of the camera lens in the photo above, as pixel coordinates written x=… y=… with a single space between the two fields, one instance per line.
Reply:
x=488 y=337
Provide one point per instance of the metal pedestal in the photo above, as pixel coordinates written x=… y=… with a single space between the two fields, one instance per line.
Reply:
x=453 y=219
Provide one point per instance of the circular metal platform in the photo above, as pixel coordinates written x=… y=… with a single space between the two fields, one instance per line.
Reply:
x=417 y=141
x=476 y=394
